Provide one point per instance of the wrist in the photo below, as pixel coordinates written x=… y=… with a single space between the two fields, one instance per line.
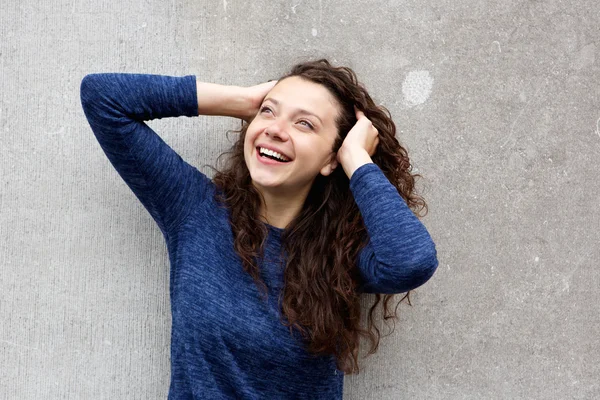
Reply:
x=222 y=100
x=352 y=159
x=237 y=103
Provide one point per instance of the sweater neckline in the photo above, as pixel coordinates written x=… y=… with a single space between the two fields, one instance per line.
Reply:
x=275 y=230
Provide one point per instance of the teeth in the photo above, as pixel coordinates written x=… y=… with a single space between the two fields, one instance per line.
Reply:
x=273 y=153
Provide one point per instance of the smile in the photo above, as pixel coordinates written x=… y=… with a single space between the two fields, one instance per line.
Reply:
x=269 y=161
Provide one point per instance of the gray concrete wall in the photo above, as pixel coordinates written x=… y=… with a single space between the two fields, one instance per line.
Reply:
x=497 y=102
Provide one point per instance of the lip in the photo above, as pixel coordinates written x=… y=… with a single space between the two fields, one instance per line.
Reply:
x=268 y=161
x=273 y=149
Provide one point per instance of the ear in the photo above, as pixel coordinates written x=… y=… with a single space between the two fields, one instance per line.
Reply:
x=331 y=166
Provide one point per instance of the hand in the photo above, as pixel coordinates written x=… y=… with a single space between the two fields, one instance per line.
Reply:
x=231 y=101
x=363 y=135
x=255 y=96
x=359 y=145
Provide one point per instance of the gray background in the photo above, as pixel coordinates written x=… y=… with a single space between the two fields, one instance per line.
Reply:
x=497 y=104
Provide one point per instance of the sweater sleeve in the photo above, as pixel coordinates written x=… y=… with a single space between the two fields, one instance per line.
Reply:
x=116 y=106
x=400 y=254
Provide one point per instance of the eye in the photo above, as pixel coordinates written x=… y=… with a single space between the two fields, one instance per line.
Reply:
x=265 y=108
x=308 y=124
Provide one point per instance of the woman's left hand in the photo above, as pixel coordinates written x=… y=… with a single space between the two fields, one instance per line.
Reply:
x=359 y=145
x=363 y=134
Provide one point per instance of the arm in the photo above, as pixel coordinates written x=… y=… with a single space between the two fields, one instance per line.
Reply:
x=400 y=255
x=116 y=106
x=231 y=101
x=227 y=101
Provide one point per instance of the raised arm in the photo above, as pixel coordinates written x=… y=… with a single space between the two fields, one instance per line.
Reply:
x=400 y=255
x=116 y=106
x=231 y=101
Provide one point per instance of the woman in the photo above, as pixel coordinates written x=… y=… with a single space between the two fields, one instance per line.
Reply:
x=268 y=259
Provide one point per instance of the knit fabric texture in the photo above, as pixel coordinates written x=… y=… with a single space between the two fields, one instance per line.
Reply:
x=226 y=341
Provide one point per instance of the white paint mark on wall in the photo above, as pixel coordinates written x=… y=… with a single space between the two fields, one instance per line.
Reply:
x=416 y=87
x=19 y=345
x=522 y=97
x=314 y=31
x=498 y=44
x=566 y=285
x=598 y=127
x=225 y=5
x=60 y=131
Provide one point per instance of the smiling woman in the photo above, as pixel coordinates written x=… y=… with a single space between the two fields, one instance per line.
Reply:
x=315 y=205
x=284 y=125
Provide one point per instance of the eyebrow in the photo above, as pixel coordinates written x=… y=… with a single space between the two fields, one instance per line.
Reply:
x=301 y=111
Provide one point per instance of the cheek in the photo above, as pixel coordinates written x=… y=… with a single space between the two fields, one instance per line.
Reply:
x=249 y=138
x=252 y=132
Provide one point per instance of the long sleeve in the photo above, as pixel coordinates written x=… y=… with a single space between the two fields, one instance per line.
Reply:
x=400 y=255
x=116 y=106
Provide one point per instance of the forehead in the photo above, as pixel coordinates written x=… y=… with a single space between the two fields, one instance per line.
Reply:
x=297 y=93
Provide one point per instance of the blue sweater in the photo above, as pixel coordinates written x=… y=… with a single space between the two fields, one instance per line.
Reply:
x=226 y=342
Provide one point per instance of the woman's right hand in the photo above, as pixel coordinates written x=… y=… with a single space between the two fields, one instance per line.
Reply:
x=231 y=101
x=255 y=96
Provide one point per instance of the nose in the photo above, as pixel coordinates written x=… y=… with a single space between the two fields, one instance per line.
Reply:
x=277 y=129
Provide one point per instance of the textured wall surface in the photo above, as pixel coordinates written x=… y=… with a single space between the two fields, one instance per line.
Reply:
x=497 y=102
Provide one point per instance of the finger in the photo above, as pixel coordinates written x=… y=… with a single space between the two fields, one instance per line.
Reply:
x=268 y=85
x=358 y=113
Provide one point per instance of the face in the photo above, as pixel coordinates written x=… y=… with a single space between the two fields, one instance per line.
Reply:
x=296 y=119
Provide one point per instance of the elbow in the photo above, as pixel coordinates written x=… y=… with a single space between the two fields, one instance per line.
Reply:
x=93 y=91
x=426 y=264
x=424 y=270
x=87 y=89
x=418 y=272
x=401 y=277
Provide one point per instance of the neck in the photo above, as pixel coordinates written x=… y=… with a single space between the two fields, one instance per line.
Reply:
x=279 y=210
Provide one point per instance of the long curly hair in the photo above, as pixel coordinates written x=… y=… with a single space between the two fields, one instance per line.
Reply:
x=321 y=297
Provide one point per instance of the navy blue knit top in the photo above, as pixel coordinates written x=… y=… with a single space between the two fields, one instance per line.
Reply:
x=226 y=341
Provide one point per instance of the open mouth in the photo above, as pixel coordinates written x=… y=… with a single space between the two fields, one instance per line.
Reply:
x=269 y=157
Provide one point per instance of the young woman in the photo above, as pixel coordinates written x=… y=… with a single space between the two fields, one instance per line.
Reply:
x=314 y=206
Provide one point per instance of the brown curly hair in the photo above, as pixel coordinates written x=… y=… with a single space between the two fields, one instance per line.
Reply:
x=321 y=294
